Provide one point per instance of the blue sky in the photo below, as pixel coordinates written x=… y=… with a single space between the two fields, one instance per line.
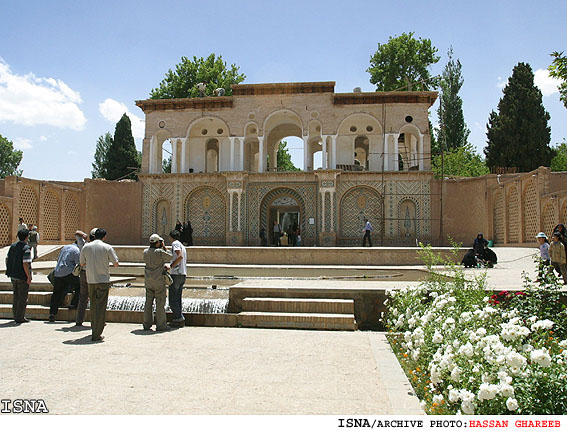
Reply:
x=70 y=68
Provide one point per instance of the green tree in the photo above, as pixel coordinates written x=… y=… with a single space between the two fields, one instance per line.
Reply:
x=453 y=132
x=519 y=134
x=101 y=155
x=558 y=69
x=403 y=64
x=188 y=73
x=284 y=158
x=122 y=156
x=435 y=149
x=460 y=162
x=9 y=158
x=166 y=165
x=559 y=162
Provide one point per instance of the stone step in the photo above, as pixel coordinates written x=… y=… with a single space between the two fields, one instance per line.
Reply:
x=35 y=286
x=34 y=298
x=340 y=322
x=299 y=305
x=38 y=312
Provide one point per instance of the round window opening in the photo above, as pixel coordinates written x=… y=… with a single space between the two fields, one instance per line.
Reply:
x=204 y=131
x=251 y=116
x=219 y=131
x=253 y=130
x=369 y=128
x=161 y=124
x=409 y=119
x=353 y=128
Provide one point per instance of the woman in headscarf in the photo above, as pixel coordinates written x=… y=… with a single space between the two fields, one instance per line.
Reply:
x=560 y=228
x=479 y=245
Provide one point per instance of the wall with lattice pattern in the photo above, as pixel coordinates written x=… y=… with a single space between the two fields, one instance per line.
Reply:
x=548 y=217
x=51 y=219
x=72 y=212
x=499 y=222
x=5 y=225
x=28 y=205
x=513 y=210
x=530 y=203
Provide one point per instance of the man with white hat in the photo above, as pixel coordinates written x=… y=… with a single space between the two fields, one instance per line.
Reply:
x=156 y=258
x=95 y=256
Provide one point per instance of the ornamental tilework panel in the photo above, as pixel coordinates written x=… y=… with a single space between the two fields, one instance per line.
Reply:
x=328 y=212
x=154 y=193
x=234 y=213
x=51 y=219
x=28 y=206
x=5 y=225
x=513 y=210
x=356 y=204
x=207 y=211
x=499 y=221
x=71 y=215
x=408 y=221
x=304 y=193
x=563 y=215
x=530 y=203
x=548 y=217
x=419 y=192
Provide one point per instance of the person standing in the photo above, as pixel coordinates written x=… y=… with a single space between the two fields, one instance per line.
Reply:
x=96 y=256
x=557 y=255
x=277 y=232
x=22 y=225
x=178 y=274
x=368 y=229
x=33 y=240
x=156 y=258
x=544 y=259
x=65 y=281
x=81 y=238
x=263 y=239
x=188 y=233
x=18 y=268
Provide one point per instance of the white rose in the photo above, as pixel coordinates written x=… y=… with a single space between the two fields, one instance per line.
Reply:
x=512 y=404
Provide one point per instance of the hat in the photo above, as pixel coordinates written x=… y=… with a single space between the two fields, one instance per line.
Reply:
x=93 y=231
x=81 y=234
x=541 y=235
x=155 y=238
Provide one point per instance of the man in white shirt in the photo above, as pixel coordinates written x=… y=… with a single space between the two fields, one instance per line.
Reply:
x=179 y=274
x=367 y=231
x=96 y=256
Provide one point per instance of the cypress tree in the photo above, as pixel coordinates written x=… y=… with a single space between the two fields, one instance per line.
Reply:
x=122 y=154
x=518 y=135
x=453 y=133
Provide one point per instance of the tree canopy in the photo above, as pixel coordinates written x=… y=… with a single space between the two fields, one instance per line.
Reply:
x=453 y=132
x=284 y=158
x=182 y=82
x=122 y=156
x=558 y=69
x=459 y=162
x=519 y=134
x=101 y=156
x=559 y=162
x=403 y=64
x=9 y=158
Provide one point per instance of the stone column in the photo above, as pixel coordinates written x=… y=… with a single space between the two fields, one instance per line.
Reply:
x=396 y=151
x=174 y=156
x=334 y=151
x=239 y=204
x=231 y=197
x=386 y=139
x=260 y=154
x=241 y=153
x=420 y=152
x=305 y=153
x=232 y=138
x=183 y=155
x=152 y=154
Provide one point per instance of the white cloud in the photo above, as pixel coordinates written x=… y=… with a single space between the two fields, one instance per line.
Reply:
x=28 y=100
x=43 y=138
x=547 y=84
x=112 y=110
x=22 y=143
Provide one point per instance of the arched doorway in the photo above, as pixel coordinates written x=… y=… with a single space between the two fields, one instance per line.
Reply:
x=285 y=207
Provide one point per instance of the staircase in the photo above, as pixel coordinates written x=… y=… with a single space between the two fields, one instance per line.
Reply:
x=298 y=313
x=39 y=298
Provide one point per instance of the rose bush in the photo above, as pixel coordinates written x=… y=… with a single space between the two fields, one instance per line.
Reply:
x=470 y=351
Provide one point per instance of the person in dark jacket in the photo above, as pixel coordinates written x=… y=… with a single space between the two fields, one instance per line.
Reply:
x=479 y=245
x=560 y=228
x=187 y=234
x=18 y=268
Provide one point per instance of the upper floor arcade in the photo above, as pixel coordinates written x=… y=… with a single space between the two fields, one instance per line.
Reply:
x=376 y=132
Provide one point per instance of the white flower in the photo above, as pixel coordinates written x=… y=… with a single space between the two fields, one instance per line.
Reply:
x=532 y=319
x=466 y=316
x=512 y=404
x=467 y=407
x=454 y=395
x=437 y=398
x=437 y=337
x=415 y=354
x=515 y=360
x=542 y=324
x=527 y=348
x=481 y=332
x=467 y=350
x=506 y=390
x=563 y=344
x=456 y=374
x=487 y=391
x=541 y=357
x=511 y=332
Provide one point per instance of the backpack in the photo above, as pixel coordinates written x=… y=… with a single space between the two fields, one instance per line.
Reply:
x=33 y=237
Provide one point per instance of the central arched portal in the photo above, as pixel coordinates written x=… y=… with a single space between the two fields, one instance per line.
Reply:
x=285 y=207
